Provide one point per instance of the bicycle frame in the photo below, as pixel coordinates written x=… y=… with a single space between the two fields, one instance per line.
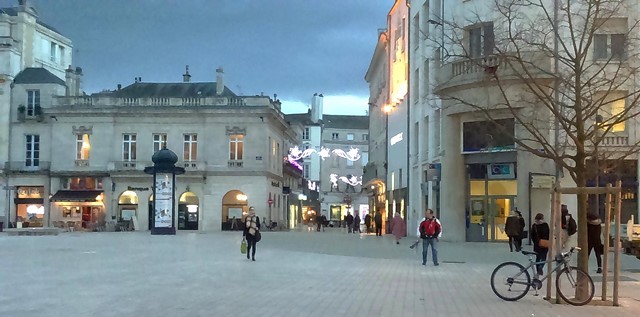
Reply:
x=532 y=264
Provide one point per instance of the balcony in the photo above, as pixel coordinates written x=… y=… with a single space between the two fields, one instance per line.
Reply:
x=472 y=71
x=109 y=101
x=615 y=141
x=234 y=163
x=21 y=167
x=130 y=165
x=192 y=166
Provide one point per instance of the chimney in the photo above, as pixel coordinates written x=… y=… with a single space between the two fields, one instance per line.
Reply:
x=78 y=81
x=119 y=86
x=219 y=81
x=69 y=81
x=186 y=77
x=316 y=108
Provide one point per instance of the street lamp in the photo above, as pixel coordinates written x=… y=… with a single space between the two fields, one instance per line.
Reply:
x=164 y=172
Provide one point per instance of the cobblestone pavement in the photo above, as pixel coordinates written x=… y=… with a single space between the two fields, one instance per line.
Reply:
x=296 y=274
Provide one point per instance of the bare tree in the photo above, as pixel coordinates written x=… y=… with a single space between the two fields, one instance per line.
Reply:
x=565 y=70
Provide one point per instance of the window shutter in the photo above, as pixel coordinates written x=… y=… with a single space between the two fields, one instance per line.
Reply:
x=489 y=39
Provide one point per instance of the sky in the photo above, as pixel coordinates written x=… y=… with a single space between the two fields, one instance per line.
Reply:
x=292 y=48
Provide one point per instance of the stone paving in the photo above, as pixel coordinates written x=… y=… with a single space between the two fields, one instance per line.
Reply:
x=296 y=274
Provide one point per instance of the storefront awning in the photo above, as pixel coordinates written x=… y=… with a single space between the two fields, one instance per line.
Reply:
x=76 y=195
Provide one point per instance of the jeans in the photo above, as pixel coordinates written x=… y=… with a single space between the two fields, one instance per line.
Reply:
x=251 y=246
x=542 y=256
x=434 y=250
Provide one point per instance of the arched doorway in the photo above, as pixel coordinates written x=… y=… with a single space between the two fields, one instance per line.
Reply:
x=127 y=206
x=234 y=207
x=188 y=211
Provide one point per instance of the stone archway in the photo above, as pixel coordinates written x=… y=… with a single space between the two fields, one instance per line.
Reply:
x=234 y=207
x=188 y=211
x=127 y=205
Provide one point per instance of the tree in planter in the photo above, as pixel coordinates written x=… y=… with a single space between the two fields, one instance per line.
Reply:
x=37 y=112
x=21 y=112
x=565 y=70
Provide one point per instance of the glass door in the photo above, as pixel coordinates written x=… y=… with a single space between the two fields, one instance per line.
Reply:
x=499 y=209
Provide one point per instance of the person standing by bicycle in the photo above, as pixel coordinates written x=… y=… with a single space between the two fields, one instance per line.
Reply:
x=540 y=234
x=594 y=233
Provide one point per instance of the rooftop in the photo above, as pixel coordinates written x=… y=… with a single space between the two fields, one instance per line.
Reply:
x=37 y=75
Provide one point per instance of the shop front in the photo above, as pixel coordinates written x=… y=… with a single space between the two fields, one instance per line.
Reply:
x=78 y=210
x=492 y=196
x=188 y=211
x=235 y=205
x=30 y=209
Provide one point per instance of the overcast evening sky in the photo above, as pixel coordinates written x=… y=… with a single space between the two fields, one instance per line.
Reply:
x=293 y=48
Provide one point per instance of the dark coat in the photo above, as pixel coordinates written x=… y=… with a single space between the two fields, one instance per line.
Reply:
x=512 y=227
x=539 y=231
x=349 y=219
x=594 y=232
x=378 y=219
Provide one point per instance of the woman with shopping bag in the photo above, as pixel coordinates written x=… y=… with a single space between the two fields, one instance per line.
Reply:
x=251 y=233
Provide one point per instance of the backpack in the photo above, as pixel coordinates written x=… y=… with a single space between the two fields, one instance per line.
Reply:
x=429 y=228
x=572 y=226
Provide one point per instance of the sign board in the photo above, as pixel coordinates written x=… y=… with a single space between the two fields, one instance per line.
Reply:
x=163 y=200
x=542 y=181
x=501 y=171
x=432 y=173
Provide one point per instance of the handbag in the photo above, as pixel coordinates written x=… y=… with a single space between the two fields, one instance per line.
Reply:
x=543 y=243
x=258 y=236
x=243 y=246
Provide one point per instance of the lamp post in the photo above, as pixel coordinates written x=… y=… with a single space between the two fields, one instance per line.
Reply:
x=164 y=172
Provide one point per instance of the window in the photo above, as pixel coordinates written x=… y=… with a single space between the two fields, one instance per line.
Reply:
x=305 y=134
x=481 y=40
x=128 y=147
x=236 y=146
x=608 y=46
x=305 y=171
x=350 y=136
x=32 y=157
x=53 y=52
x=190 y=147
x=612 y=110
x=159 y=141
x=365 y=137
x=334 y=136
x=61 y=55
x=33 y=102
x=416 y=32
x=416 y=86
x=83 y=146
x=350 y=163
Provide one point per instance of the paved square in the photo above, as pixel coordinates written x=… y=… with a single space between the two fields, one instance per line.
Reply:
x=296 y=274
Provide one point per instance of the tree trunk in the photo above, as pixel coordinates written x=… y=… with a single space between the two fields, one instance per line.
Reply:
x=582 y=291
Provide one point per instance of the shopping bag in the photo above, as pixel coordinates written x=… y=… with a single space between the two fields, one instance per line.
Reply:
x=543 y=243
x=243 y=246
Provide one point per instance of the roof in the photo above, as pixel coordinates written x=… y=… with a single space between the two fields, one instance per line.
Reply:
x=302 y=118
x=346 y=122
x=167 y=90
x=13 y=12
x=37 y=75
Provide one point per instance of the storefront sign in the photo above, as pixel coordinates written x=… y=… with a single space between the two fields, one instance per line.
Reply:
x=140 y=189
x=163 y=197
x=542 y=181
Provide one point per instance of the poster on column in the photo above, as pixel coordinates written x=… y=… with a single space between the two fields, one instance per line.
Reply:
x=163 y=200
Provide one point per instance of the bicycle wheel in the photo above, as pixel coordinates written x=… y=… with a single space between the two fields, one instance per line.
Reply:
x=574 y=286
x=510 y=281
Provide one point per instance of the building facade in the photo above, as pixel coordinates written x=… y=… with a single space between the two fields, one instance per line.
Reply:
x=388 y=78
x=80 y=160
x=25 y=41
x=470 y=173
x=334 y=151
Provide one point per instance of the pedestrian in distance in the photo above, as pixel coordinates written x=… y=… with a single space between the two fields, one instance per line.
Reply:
x=569 y=225
x=318 y=223
x=523 y=233
x=540 y=239
x=378 y=221
x=324 y=222
x=367 y=223
x=398 y=227
x=594 y=234
x=252 y=232
x=349 y=222
x=514 y=228
x=356 y=223
x=430 y=233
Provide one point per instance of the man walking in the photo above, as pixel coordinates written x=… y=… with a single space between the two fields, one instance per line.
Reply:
x=430 y=233
x=349 y=222
x=378 y=220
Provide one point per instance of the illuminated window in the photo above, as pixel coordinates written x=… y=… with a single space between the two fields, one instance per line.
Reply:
x=190 y=147
x=83 y=146
x=159 y=141
x=129 y=147
x=32 y=157
x=612 y=111
x=236 y=146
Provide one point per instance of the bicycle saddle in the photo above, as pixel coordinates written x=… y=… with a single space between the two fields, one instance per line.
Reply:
x=529 y=253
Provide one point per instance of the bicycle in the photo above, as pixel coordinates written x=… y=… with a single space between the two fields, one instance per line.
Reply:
x=569 y=281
